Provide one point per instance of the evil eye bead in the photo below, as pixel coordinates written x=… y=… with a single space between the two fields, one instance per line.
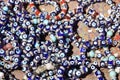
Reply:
x=7 y=58
x=27 y=48
x=29 y=74
x=60 y=71
x=24 y=62
x=78 y=73
x=98 y=72
x=94 y=24
x=83 y=56
x=102 y=64
x=93 y=67
x=65 y=63
x=70 y=73
x=99 y=55
x=117 y=62
x=95 y=63
x=62 y=55
x=2 y=52
x=50 y=73
x=72 y=62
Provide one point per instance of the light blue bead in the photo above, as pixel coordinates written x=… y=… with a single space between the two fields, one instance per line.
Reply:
x=37 y=45
x=105 y=59
x=5 y=8
x=53 y=38
x=109 y=33
x=112 y=74
x=45 y=22
x=112 y=58
x=91 y=53
x=35 y=21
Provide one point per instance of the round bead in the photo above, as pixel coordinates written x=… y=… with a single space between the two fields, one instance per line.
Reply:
x=112 y=74
x=109 y=33
x=91 y=54
x=112 y=58
x=5 y=8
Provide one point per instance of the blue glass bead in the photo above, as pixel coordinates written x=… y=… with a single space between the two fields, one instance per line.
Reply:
x=83 y=56
x=86 y=22
x=72 y=62
x=79 y=10
x=65 y=63
x=102 y=64
x=87 y=43
x=93 y=67
x=109 y=41
x=94 y=24
x=107 y=52
x=101 y=78
x=85 y=69
x=117 y=62
x=83 y=49
x=97 y=73
x=78 y=73
x=99 y=55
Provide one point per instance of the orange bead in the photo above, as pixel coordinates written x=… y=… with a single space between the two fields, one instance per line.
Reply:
x=57 y=17
x=48 y=17
x=117 y=37
x=37 y=12
x=31 y=5
x=64 y=10
x=62 y=2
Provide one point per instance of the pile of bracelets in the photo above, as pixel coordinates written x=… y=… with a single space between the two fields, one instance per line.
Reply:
x=24 y=45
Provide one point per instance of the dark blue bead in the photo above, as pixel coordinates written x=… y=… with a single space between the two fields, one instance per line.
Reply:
x=107 y=52
x=87 y=43
x=82 y=56
x=83 y=49
x=97 y=73
x=117 y=62
x=101 y=78
x=109 y=41
x=42 y=16
x=79 y=10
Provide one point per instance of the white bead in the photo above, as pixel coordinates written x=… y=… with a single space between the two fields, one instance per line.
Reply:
x=117 y=70
x=1 y=75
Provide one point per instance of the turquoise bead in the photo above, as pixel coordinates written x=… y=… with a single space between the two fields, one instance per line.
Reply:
x=35 y=21
x=112 y=74
x=105 y=59
x=112 y=58
x=5 y=8
x=91 y=53
x=53 y=38
x=109 y=33
x=45 y=22
x=37 y=45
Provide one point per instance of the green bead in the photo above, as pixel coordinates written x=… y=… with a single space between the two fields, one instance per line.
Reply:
x=112 y=58
x=109 y=33
x=91 y=53
x=112 y=74
x=45 y=22
x=35 y=21
x=5 y=8
x=53 y=38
